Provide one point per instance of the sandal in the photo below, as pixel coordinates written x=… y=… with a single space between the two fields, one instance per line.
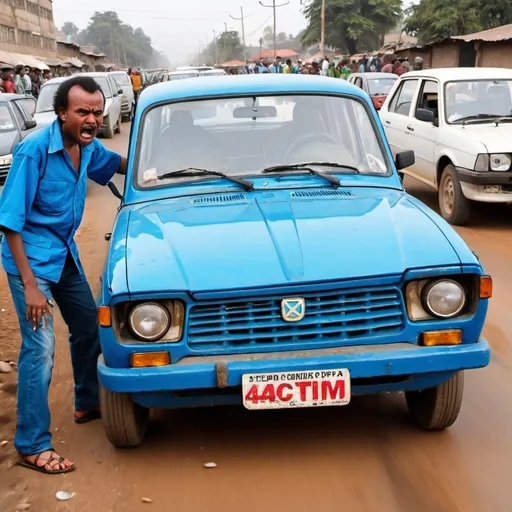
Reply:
x=52 y=461
x=94 y=414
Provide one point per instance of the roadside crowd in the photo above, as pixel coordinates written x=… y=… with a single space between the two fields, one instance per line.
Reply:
x=24 y=80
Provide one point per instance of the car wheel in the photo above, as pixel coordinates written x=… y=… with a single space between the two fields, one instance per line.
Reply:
x=453 y=204
x=125 y=422
x=118 y=125
x=437 y=408
x=109 y=132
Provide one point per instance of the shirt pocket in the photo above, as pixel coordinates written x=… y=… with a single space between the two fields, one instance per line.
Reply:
x=36 y=247
x=52 y=197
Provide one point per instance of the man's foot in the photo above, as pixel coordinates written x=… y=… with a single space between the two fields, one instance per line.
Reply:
x=48 y=462
x=82 y=417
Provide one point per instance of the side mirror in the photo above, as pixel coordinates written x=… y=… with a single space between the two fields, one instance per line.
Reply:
x=112 y=186
x=403 y=160
x=29 y=124
x=120 y=91
x=422 y=114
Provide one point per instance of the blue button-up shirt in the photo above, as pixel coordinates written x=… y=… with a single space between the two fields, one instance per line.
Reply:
x=44 y=198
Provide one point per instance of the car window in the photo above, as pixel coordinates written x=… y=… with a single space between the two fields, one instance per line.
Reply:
x=45 y=98
x=359 y=82
x=380 y=86
x=428 y=97
x=401 y=101
x=18 y=114
x=226 y=135
x=114 y=85
x=105 y=86
x=28 y=104
x=122 y=79
x=6 y=120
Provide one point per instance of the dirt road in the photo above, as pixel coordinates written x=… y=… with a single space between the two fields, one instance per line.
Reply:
x=364 y=457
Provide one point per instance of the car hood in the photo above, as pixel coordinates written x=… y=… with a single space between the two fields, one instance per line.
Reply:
x=7 y=142
x=230 y=241
x=497 y=139
x=44 y=118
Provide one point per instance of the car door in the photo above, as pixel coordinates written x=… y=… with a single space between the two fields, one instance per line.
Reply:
x=23 y=118
x=395 y=115
x=116 y=97
x=29 y=104
x=422 y=135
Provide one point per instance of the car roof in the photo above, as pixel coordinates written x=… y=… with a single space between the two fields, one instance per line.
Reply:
x=372 y=74
x=239 y=85
x=5 y=96
x=449 y=74
x=183 y=72
x=61 y=79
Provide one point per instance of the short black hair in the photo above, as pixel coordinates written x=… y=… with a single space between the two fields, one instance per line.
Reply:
x=87 y=83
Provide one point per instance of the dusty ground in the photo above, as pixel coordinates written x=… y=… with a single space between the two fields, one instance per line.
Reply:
x=364 y=457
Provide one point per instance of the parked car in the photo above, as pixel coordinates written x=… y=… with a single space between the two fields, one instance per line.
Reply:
x=128 y=98
x=266 y=253
x=180 y=75
x=45 y=114
x=459 y=123
x=16 y=122
x=212 y=72
x=376 y=85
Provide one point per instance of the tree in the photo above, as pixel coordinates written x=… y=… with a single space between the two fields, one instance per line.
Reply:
x=432 y=20
x=351 y=25
x=70 y=30
x=225 y=48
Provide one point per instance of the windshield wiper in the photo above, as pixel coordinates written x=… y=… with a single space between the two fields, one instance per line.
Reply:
x=475 y=117
x=307 y=166
x=502 y=119
x=196 y=171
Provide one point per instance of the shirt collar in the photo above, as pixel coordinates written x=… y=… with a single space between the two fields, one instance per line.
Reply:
x=56 y=141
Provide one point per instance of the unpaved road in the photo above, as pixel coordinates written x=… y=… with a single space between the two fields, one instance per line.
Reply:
x=364 y=457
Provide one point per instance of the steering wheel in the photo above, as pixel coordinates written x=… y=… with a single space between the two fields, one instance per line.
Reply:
x=308 y=137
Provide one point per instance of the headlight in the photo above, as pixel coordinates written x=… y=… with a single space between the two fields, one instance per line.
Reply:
x=149 y=321
x=500 y=162
x=444 y=298
x=6 y=160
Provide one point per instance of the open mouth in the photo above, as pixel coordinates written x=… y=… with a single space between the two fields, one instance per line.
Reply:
x=87 y=132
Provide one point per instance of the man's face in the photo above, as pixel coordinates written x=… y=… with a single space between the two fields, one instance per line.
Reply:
x=84 y=115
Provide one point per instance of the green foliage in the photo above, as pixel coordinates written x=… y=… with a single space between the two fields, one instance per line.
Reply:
x=352 y=26
x=433 y=20
x=70 y=30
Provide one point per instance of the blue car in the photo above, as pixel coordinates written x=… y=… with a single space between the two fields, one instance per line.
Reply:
x=265 y=253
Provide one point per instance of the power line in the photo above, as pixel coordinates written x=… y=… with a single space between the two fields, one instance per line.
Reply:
x=259 y=28
x=243 y=30
x=273 y=7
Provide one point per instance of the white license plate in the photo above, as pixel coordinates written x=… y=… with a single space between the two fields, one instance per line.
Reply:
x=296 y=389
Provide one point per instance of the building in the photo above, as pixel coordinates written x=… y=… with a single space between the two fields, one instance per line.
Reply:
x=26 y=27
x=489 y=48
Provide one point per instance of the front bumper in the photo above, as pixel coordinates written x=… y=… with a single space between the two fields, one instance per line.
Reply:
x=484 y=178
x=363 y=361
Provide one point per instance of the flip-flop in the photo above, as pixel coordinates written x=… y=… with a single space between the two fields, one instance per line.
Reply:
x=95 y=414
x=42 y=469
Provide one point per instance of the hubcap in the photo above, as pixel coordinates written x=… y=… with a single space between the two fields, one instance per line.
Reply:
x=448 y=195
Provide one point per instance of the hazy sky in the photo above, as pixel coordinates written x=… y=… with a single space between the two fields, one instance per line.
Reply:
x=177 y=28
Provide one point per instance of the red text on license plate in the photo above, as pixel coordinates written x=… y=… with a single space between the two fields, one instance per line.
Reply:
x=296 y=389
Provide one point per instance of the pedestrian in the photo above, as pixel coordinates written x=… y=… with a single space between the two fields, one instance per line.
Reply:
x=345 y=70
x=136 y=79
x=35 y=78
x=8 y=78
x=398 y=69
x=333 y=70
x=40 y=210
x=288 y=67
x=47 y=75
x=325 y=66
x=28 y=81
x=389 y=59
x=418 y=63
x=19 y=81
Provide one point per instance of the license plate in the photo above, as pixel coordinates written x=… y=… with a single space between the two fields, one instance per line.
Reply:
x=296 y=389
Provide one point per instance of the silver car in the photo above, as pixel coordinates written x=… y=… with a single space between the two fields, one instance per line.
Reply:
x=128 y=98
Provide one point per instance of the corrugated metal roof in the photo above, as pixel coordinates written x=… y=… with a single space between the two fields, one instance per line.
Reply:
x=492 y=35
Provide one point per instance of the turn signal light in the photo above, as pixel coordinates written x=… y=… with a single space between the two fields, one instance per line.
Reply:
x=439 y=338
x=146 y=359
x=485 y=287
x=104 y=318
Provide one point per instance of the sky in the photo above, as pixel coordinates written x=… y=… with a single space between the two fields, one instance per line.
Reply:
x=179 y=28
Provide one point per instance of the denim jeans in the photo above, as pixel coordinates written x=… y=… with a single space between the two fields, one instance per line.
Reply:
x=35 y=364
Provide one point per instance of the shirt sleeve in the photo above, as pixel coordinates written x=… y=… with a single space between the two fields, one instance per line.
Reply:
x=104 y=164
x=19 y=191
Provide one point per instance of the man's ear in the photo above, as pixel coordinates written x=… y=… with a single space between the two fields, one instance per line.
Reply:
x=63 y=115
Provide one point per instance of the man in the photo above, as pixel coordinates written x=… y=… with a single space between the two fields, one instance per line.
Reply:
x=40 y=210
x=333 y=70
x=136 y=84
x=47 y=75
x=325 y=66
x=288 y=67
x=28 y=81
x=398 y=69
x=418 y=63
x=9 y=85
x=389 y=60
x=19 y=81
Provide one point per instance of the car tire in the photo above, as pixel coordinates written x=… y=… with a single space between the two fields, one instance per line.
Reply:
x=125 y=422
x=437 y=408
x=109 y=132
x=455 y=208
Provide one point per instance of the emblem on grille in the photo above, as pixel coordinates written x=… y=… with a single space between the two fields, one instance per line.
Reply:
x=293 y=309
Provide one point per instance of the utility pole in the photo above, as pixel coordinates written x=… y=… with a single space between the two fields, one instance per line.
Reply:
x=215 y=48
x=274 y=6
x=322 y=29
x=243 y=31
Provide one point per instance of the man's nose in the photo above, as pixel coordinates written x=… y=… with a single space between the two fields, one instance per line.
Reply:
x=90 y=118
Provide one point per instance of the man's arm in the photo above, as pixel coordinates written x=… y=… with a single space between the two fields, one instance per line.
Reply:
x=104 y=164
x=122 y=166
x=16 y=200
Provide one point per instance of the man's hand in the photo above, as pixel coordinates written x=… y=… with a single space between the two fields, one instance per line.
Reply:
x=37 y=306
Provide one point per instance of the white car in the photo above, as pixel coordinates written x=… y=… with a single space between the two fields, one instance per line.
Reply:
x=45 y=114
x=458 y=122
x=128 y=97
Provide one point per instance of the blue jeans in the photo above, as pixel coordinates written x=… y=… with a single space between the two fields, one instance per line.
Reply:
x=35 y=364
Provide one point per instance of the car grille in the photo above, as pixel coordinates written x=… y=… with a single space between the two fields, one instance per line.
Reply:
x=342 y=315
x=4 y=169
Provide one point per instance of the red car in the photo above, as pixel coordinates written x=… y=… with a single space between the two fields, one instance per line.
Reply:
x=376 y=85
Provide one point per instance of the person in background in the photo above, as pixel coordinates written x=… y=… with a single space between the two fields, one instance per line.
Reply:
x=333 y=70
x=28 y=81
x=406 y=65
x=19 y=81
x=418 y=63
x=315 y=68
x=9 y=85
x=35 y=78
x=388 y=61
x=287 y=69
x=275 y=67
x=136 y=79
x=398 y=69
x=47 y=75
x=325 y=66
x=345 y=70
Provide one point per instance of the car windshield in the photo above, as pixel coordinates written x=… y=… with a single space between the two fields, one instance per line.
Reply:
x=243 y=136
x=47 y=93
x=380 y=86
x=122 y=79
x=476 y=99
x=6 y=121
